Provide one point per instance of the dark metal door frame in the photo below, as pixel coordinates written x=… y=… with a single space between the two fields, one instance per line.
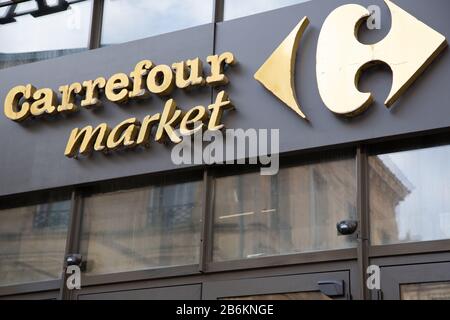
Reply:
x=274 y=285
x=394 y=276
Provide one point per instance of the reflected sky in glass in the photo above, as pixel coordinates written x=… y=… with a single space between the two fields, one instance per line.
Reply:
x=424 y=214
x=63 y=30
x=127 y=20
x=239 y=8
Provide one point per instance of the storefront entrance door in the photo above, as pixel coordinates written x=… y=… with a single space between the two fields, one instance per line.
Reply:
x=313 y=286
x=416 y=282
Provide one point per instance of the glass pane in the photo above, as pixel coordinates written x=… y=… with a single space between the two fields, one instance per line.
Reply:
x=425 y=291
x=37 y=36
x=143 y=228
x=410 y=196
x=294 y=211
x=32 y=242
x=238 y=8
x=309 y=295
x=127 y=20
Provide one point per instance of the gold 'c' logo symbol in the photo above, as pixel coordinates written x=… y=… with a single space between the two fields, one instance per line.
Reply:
x=408 y=49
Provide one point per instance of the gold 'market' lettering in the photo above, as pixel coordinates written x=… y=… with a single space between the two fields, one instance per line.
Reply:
x=86 y=139
x=12 y=109
x=118 y=81
x=217 y=62
x=160 y=80
x=192 y=67
x=169 y=119
x=196 y=114
x=222 y=103
x=146 y=129
x=130 y=132
x=68 y=97
x=92 y=88
x=140 y=70
x=124 y=134
x=45 y=102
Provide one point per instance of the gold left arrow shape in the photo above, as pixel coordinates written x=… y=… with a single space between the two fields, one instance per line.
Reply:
x=277 y=72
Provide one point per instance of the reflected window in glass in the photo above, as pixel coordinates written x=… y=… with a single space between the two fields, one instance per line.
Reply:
x=294 y=211
x=32 y=242
x=144 y=228
x=127 y=20
x=29 y=32
x=410 y=196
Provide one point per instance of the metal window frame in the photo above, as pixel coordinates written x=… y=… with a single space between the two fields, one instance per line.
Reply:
x=96 y=24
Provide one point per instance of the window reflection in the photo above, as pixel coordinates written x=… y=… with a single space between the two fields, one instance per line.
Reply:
x=425 y=291
x=32 y=242
x=127 y=20
x=30 y=33
x=143 y=228
x=294 y=211
x=410 y=196
x=238 y=8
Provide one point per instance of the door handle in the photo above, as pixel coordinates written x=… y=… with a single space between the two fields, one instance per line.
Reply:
x=332 y=288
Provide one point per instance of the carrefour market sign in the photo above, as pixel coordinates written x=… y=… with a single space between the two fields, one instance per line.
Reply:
x=26 y=101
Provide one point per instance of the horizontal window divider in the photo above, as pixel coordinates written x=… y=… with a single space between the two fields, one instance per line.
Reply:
x=409 y=248
x=32 y=287
x=139 y=275
x=284 y=260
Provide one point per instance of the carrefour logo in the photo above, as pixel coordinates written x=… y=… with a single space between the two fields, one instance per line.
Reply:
x=408 y=49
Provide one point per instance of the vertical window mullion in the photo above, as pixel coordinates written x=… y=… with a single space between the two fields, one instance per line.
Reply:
x=363 y=218
x=206 y=236
x=73 y=239
x=96 y=24
x=218 y=11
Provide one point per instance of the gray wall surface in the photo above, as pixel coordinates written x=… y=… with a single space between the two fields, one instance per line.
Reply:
x=32 y=153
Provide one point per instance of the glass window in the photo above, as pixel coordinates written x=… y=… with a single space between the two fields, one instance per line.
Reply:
x=29 y=33
x=127 y=20
x=32 y=242
x=238 y=8
x=142 y=228
x=425 y=291
x=410 y=196
x=294 y=211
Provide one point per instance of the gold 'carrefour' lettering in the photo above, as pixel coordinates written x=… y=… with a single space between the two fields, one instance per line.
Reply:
x=68 y=97
x=141 y=70
x=13 y=110
x=217 y=62
x=92 y=88
x=116 y=89
x=189 y=73
x=24 y=101
x=160 y=80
